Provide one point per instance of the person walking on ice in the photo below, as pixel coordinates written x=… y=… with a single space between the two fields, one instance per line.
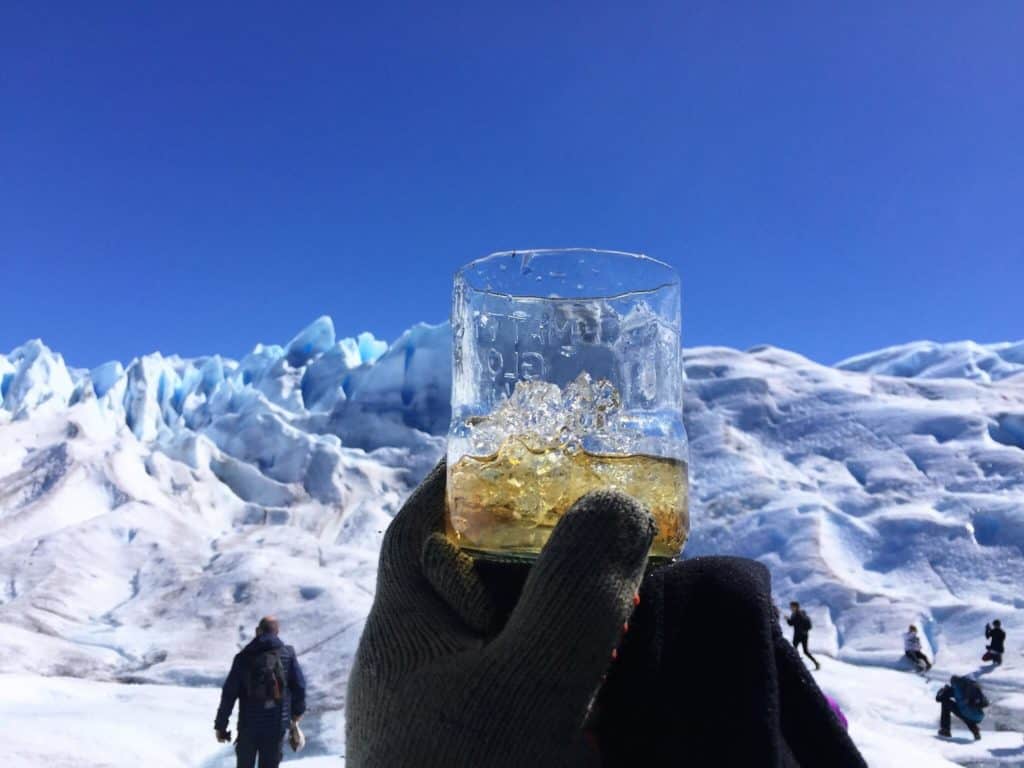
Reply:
x=997 y=643
x=912 y=648
x=801 y=624
x=268 y=683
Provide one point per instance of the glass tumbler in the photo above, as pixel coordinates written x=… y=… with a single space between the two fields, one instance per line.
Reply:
x=567 y=378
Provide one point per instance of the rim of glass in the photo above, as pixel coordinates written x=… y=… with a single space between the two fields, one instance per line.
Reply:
x=671 y=273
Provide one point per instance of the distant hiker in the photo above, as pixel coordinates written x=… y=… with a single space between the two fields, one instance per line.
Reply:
x=912 y=647
x=266 y=679
x=964 y=698
x=801 y=624
x=997 y=638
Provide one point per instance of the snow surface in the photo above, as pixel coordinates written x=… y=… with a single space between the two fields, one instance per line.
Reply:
x=151 y=512
x=926 y=359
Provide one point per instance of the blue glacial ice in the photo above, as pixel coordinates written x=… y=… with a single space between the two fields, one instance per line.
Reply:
x=105 y=376
x=39 y=377
x=282 y=410
x=312 y=341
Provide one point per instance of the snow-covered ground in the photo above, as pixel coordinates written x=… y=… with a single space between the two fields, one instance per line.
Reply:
x=893 y=718
x=149 y=514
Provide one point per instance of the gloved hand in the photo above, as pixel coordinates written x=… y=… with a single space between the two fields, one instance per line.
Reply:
x=435 y=683
x=705 y=678
x=223 y=736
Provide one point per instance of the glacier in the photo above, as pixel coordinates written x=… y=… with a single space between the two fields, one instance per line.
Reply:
x=151 y=511
x=930 y=360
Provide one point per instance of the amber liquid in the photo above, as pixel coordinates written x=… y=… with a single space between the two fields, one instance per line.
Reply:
x=504 y=506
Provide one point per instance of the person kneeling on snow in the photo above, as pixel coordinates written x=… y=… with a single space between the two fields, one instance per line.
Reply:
x=912 y=647
x=997 y=639
x=963 y=697
x=268 y=682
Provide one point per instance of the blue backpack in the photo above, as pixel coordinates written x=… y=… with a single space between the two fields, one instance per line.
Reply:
x=970 y=699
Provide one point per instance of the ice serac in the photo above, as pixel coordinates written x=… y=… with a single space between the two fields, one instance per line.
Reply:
x=105 y=376
x=409 y=386
x=34 y=377
x=150 y=386
x=323 y=380
x=370 y=348
x=314 y=340
x=7 y=371
x=326 y=380
x=254 y=366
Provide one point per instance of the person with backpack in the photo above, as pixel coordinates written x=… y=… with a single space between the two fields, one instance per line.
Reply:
x=997 y=643
x=268 y=683
x=912 y=648
x=964 y=698
x=801 y=624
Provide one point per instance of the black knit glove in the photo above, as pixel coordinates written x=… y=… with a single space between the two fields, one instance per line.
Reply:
x=435 y=683
x=705 y=678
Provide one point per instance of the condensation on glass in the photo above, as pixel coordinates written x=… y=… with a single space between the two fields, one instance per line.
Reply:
x=567 y=378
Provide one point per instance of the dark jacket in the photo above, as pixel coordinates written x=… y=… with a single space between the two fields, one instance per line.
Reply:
x=800 y=622
x=996 y=638
x=253 y=714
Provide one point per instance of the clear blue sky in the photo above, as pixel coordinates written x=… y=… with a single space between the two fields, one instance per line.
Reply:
x=197 y=177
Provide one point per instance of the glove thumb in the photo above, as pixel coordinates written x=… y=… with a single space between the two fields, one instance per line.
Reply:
x=578 y=595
